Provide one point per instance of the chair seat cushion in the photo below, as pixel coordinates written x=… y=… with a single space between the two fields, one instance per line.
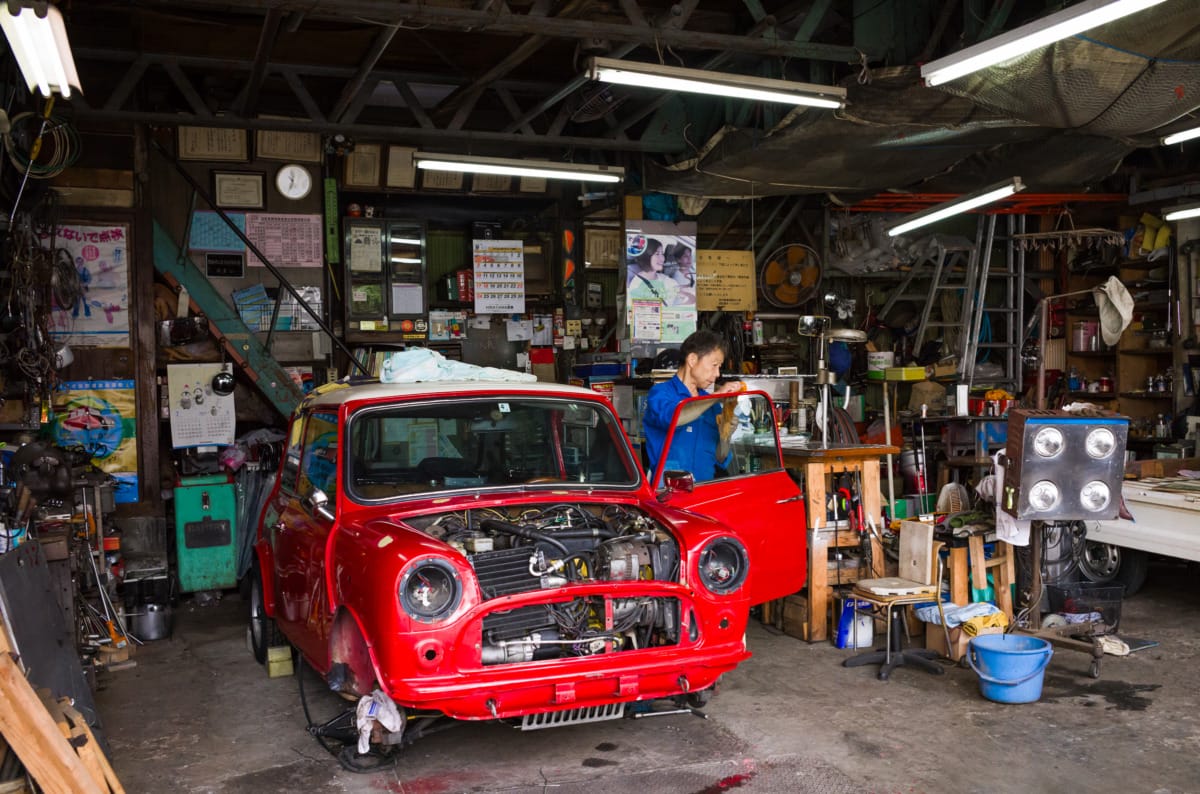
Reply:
x=893 y=585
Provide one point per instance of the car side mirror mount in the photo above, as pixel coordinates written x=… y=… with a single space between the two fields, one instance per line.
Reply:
x=678 y=481
x=318 y=503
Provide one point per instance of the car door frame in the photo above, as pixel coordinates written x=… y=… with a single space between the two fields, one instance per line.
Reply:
x=765 y=509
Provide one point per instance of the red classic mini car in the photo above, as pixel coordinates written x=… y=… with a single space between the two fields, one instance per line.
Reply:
x=495 y=551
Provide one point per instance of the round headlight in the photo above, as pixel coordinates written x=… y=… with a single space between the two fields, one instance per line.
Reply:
x=723 y=565
x=1043 y=495
x=1100 y=443
x=1048 y=442
x=429 y=590
x=1095 y=496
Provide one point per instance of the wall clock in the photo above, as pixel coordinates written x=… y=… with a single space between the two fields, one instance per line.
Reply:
x=293 y=181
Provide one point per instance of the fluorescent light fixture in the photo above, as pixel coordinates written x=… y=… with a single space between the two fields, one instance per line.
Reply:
x=546 y=169
x=963 y=203
x=39 y=43
x=1182 y=213
x=405 y=241
x=697 y=81
x=406 y=260
x=1027 y=38
x=1181 y=136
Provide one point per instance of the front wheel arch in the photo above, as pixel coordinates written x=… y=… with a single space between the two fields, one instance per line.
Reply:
x=350 y=654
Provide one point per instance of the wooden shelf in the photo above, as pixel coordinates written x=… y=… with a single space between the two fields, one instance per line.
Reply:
x=1148 y=352
x=1092 y=353
x=1094 y=395
x=1147 y=395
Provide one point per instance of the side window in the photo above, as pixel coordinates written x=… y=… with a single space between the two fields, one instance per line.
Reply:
x=319 y=463
x=291 y=458
x=726 y=436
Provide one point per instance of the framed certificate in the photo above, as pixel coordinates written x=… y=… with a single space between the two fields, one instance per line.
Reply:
x=238 y=189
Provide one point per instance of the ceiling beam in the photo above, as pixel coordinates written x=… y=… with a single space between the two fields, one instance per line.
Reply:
x=356 y=85
x=384 y=131
x=262 y=56
x=467 y=19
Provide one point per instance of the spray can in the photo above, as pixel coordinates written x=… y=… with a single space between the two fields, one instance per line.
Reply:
x=756 y=335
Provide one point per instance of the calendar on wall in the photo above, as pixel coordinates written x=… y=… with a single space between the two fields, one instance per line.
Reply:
x=499 y=276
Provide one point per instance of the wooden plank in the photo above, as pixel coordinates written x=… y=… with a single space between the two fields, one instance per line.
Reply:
x=916 y=550
x=958 y=576
x=108 y=778
x=31 y=732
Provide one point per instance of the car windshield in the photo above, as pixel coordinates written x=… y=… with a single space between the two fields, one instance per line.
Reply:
x=448 y=445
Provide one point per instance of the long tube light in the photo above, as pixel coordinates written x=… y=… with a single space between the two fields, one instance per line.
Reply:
x=963 y=203
x=547 y=169
x=1027 y=38
x=698 y=81
x=39 y=43
x=1182 y=213
x=1181 y=136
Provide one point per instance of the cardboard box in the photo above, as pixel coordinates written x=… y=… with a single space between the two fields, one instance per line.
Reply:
x=935 y=640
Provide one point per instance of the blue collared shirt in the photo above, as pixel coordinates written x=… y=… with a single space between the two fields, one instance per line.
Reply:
x=694 y=446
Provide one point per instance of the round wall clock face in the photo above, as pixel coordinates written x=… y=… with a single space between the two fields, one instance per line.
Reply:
x=293 y=181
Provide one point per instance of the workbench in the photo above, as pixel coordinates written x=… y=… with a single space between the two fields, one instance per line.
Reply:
x=818 y=465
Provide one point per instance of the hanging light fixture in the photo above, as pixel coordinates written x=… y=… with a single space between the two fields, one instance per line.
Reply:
x=545 y=169
x=961 y=204
x=37 y=37
x=1181 y=136
x=1027 y=38
x=698 y=81
x=1182 y=213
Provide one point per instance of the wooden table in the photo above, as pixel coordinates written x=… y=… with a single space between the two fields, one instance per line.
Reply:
x=817 y=465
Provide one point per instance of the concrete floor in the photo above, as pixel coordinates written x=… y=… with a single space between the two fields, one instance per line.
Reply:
x=198 y=715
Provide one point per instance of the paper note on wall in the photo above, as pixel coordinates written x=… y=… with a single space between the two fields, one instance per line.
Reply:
x=725 y=281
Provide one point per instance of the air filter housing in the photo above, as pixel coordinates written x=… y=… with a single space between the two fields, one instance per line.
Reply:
x=1064 y=467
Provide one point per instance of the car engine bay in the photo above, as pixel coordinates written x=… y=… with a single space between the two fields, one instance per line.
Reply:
x=545 y=548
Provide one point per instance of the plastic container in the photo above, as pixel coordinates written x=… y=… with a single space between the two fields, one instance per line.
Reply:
x=1010 y=666
x=855 y=629
x=1080 y=602
x=878 y=362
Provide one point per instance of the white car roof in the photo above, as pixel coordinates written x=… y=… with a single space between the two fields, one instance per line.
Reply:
x=332 y=396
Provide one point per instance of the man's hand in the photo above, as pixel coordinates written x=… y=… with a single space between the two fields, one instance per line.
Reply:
x=729 y=387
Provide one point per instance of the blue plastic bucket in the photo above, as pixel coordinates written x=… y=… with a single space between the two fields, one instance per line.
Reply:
x=1009 y=666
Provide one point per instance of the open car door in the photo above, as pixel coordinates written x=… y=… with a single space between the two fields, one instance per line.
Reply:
x=729 y=445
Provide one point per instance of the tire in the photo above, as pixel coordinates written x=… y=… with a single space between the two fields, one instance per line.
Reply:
x=264 y=633
x=1107 y=564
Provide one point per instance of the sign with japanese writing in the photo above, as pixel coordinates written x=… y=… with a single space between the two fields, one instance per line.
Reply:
x=199 y=416
x=725 y=281
x=100 y=416
x=499 y=276
x=99 y=312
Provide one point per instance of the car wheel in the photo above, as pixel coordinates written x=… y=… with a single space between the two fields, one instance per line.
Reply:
x=263 y=631
x=1105 y=563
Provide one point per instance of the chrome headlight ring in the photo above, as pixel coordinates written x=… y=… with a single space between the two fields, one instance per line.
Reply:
x=430 y=589
x=723 y=565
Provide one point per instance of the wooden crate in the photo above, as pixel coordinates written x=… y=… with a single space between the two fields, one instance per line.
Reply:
x=795 y=616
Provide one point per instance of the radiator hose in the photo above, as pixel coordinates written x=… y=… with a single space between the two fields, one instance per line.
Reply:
x=496 y=525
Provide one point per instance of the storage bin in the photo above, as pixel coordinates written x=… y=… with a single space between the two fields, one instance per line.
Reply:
x=1079 y=602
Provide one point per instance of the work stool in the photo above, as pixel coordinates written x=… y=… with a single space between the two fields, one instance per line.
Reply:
x=919 y=583
x=1003 y=565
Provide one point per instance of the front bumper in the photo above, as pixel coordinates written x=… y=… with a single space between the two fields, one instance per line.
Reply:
x=456 y=683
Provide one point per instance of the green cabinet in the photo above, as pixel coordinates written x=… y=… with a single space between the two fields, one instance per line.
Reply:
x=206 y=533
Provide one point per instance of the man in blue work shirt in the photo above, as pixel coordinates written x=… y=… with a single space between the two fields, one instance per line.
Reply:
x=696 y=445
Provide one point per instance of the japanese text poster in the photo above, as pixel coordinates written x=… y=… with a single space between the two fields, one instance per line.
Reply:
x=100 y=416
x=199 y=416
x=660 y=280
x=499 y=276
x=99 y=312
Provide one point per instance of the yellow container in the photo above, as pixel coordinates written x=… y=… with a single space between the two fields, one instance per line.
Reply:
x=279 y=661
x=904 y=373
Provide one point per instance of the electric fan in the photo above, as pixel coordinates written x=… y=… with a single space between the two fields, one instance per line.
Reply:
x=790 y=276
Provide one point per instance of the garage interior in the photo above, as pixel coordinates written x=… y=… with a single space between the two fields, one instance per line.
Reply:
x=217 y=215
